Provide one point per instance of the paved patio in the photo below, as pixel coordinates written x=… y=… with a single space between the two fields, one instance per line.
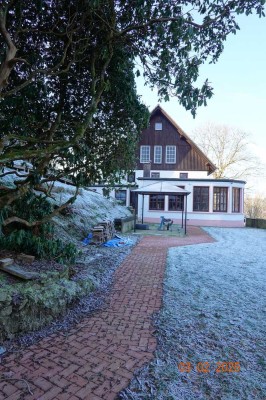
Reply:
x=98 y=357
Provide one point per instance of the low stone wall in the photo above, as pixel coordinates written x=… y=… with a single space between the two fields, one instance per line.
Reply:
x=29 y=306
x=256 y=223
x=125 y=224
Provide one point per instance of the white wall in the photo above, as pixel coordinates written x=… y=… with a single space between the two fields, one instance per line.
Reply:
x=176 y=174
x=194 y=217
x=229 y=218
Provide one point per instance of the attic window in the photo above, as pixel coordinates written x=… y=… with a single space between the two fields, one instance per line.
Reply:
x=158 y=126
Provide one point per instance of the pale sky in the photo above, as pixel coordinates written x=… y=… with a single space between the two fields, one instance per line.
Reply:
x=239 y=82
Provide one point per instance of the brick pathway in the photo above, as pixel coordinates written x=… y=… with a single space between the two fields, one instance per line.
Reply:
x=100 y=354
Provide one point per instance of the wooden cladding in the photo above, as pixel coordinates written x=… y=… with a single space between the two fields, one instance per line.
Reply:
x=187 y=157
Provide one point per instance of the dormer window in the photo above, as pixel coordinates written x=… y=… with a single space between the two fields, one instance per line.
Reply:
x=158 y=126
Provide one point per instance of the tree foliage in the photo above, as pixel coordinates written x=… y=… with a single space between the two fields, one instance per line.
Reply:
x=67 y=79
x=255 y=206
x=38 y=241
x=228 y=148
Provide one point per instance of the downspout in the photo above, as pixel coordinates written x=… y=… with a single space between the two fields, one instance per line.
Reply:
x=142 y=208
x=186 y=217
x=136 y=201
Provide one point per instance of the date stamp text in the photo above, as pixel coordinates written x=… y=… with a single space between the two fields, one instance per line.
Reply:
x=204 y=367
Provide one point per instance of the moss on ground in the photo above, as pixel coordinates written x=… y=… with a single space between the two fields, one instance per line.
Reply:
x=31 y=305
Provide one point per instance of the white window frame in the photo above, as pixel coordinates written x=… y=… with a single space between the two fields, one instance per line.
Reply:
x=158 y=126
x=121 y=195
x=171 y=157
x=160 y=156
x=145 y=158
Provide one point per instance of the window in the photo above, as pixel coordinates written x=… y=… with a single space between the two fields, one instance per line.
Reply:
x=158 y=126
x=183 y=175
x=220 y=199
x=236 y=200
x=201 y=198
x=121 y=196
x=145 y=154
x=170 y=154
x=175 y=203
x=131 y=177
x=155 y=174
x=156 y=202
x=157 y=154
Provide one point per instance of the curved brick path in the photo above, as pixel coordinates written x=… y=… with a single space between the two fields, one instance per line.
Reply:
x=98 y=357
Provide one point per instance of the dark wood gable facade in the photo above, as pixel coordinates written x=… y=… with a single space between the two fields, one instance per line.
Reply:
x=167 y=147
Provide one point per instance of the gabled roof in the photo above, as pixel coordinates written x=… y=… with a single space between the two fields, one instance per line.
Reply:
x=210 y=164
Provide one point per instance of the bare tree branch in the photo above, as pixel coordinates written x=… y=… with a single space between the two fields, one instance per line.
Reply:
x=228 y=148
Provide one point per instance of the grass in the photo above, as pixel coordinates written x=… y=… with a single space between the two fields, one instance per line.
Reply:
x=175 y=230
x=213 y=311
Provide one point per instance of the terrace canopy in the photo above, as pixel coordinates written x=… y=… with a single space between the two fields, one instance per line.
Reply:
x=165 y=188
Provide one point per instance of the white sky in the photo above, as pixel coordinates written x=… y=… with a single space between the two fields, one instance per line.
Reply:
x=239 y=82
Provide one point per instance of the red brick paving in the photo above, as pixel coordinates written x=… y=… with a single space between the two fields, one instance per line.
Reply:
x=98 y=357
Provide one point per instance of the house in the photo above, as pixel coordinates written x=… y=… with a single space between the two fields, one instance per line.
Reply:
x=167 y=154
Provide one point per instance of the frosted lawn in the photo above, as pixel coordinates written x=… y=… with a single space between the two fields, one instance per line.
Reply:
x=214 y=310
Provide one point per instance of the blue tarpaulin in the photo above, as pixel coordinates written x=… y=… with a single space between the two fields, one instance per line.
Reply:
x=118 y=242
x=87 y=239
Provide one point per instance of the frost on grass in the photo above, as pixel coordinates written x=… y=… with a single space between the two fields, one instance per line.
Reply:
x=88 y=210
x=214 y=310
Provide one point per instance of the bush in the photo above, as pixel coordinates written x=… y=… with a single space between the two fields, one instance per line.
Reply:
x=38 y=241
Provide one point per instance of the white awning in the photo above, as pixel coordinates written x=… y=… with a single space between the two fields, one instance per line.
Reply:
x=162 y=188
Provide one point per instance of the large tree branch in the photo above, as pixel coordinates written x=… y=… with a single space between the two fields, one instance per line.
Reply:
x=7 y=65
x=27 y=139
x=97 y=86
x=55 y=125
x=12 y=173
x=22 y=223
x=155 y=21
x=51 y=71
x=28 y=153
x=10 y=60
